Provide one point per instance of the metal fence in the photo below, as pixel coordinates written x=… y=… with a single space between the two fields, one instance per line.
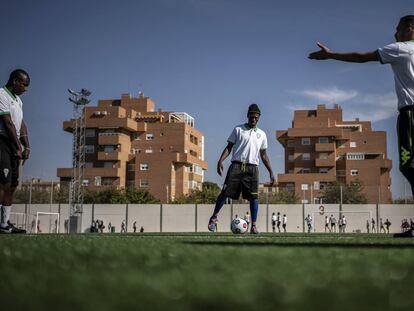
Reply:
x=43 y=218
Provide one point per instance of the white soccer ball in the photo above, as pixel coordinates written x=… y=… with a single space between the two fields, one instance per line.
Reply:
x=238 y=226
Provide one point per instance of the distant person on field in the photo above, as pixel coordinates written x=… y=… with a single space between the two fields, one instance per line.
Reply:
x=373 y=228
x=247 y=143
x=142 y=229
x=123 y=230
x=308 y=221
x=274 y=222
x=14 y=144
x=332 y=220
x=387 y=225
x=340 y=224
x=109 y=227
x=382 y=228
x=134 y=226
x=284 y=222
x=278 y=221
x=327 y=224
x=367 y=226
x=344 y=223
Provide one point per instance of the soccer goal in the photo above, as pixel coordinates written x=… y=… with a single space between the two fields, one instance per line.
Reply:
x=18 y=219
x=47 y=222
x=356 y=221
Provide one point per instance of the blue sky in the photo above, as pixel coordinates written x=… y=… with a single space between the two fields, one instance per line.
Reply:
x=209 y=58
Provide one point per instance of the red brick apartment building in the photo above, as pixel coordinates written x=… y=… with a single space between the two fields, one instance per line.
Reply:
x=128 y=143
x=321 y=147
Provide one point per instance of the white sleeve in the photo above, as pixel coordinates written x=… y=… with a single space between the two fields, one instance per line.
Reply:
x=264 y=142
x=232 y=137
x=389 y=53
x=4 y=105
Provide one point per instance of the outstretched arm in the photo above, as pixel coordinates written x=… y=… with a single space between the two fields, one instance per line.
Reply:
x=223 y=156
x=266 y=162
x=325 y=53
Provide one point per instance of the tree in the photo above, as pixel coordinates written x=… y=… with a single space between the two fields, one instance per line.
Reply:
x=281 y=197
x=208 y=195
x=351 y=194
x=119 y=196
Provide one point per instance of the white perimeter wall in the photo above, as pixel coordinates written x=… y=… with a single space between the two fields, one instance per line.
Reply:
x=194 y=218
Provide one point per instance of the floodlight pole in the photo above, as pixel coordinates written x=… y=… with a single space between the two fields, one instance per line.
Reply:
x=76 y=192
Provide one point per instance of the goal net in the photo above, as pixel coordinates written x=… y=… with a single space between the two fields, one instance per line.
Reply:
x=356 y=221
x=47 y=222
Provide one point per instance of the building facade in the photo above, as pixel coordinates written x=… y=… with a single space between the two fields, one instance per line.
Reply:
x=321 y=147
x=129 y=144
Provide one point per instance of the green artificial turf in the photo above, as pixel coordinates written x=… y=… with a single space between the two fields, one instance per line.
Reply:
x=206 y=272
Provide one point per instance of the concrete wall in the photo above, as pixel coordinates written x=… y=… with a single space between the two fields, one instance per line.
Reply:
x=194 y=218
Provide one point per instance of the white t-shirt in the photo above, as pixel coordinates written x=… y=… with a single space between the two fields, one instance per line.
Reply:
x=274 y=218
x=247 y=143
x=285 y=220
x=10 y=104
x=400 y=56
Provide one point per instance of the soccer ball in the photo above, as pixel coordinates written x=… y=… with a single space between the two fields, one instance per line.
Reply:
x=238 y=226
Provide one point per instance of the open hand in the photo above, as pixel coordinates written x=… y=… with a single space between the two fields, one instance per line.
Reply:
x=322 y=54
x=219 y=168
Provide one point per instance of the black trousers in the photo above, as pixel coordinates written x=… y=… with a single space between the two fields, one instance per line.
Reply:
x=405 y=132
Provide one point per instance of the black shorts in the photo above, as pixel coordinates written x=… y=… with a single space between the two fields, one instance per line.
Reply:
x=241 y=178
x=278 y=223
x=9 y=164
x=273 y=223
x=405 y=132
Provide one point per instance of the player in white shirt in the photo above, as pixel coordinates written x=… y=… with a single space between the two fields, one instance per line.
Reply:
x=248 y=219
x=400 y=55
x=327 y=223
x=284 y=222
x=274 y=219
x=247 y=142
x=344 y=222
x=278 y=221
x=308 y=221
x=14 y=143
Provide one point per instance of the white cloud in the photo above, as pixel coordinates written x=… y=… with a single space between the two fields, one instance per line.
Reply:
x=331 y=95
x=366 y=107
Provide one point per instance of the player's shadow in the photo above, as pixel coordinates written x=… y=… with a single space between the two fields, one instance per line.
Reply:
x=303 y=245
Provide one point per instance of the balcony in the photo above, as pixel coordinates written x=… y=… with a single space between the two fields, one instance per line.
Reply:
x=325 y=147
x=112 y=139
x=189 y=159
x=114 y=122
x=324 y=162
x=109 y=156
x=314 y=132
x=386 y=163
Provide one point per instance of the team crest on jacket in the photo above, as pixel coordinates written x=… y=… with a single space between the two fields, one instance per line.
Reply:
x=6 y=172
x=258 y=135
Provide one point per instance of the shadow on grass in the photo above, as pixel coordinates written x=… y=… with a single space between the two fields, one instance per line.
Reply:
x=305 y=245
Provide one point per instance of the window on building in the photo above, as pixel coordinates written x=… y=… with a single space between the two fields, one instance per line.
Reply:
x=323 y=170
x=107 y=181
x=354 y=172
x=88 y=164
x=193 y=184
x=144 y=183
x=306 y=141
x=89 y=149
x=290 y=171
x=149 y=136
x=323 y=185
x=136 y=136
x=306 y=156
x=98 y=180
x=353 y=144
x=291 y=143
x=306 y=171
x=340 y=173
x=323 y=156
x=341 y=143
x=131 y=167
x=324 y=140
x=290 y=187
x=109 y=148
x=108 y=164
x=90 y=133
x=148 y=150
x=291 y=158
x=144 y=167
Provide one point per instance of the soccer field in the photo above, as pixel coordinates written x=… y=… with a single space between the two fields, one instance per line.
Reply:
x=206 y=272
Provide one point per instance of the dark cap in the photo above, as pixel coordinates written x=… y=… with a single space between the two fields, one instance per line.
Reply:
x=253 y=108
